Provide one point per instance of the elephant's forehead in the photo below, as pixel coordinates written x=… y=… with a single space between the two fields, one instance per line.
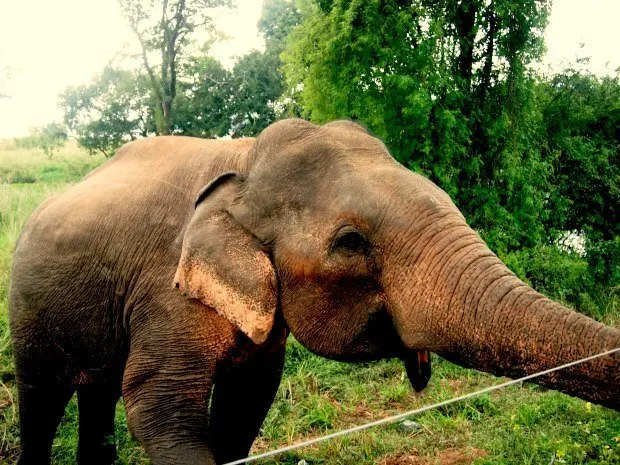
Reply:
x=319 y=153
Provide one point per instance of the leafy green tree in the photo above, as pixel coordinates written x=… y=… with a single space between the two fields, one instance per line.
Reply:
x=209 y=101
x=50 y=138
x=213 y=102
x=203 y=103
x=581 y=117
x=278 y=19
x=581 y=120
x=256 y=84
x=113 y=109
x=445 y=85
x=164 y=28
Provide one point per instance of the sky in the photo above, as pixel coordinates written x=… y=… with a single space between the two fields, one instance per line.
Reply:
x=50 y=45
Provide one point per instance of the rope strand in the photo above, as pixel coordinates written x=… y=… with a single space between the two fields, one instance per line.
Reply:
x=400 y=416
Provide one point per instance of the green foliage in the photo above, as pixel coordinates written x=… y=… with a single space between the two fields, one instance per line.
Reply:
x=113 y=109
x=444 y=84
x=203 y=99
x=208 y=100
x=581 y=121
x=258 y=94
x=165 y=28
x=581 y=117
x=214 y=102
x=604 y=260
x=277 y=20
x=49 y=138
x=257 y=84
x=566 y=277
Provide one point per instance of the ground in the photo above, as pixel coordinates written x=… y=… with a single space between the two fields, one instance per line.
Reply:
x=518 y=425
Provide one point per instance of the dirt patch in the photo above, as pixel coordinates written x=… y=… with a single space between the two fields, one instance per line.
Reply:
x=404 y=459
x=446 y=457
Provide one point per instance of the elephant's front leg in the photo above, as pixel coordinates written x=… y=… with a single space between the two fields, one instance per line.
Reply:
x=241 y=399
x=175 y=348
x=167 y=409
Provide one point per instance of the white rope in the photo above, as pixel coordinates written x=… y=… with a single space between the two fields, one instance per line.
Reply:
x=400 y=416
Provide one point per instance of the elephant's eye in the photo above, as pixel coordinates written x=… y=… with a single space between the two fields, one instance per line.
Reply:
x=350 y=241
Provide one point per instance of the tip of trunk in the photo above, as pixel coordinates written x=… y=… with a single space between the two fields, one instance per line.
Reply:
x=418 y=368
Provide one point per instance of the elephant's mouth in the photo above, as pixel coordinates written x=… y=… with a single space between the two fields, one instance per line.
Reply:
x=417 y=362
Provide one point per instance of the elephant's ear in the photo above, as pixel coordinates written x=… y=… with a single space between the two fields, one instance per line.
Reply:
x=223 y=265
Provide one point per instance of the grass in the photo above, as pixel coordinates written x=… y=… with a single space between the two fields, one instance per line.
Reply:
x=32 y=166
x=519 y=425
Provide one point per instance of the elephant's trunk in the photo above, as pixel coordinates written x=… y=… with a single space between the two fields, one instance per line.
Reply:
x=455 y=297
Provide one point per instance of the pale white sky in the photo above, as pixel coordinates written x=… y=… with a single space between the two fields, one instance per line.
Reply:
x=50 y=45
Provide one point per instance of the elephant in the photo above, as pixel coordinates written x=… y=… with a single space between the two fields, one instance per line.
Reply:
x=172 y=275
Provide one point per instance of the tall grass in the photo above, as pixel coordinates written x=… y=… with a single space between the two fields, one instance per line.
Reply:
x=519 y=425
x=31 y=165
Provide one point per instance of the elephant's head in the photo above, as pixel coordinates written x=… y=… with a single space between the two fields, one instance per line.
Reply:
x=364 y=259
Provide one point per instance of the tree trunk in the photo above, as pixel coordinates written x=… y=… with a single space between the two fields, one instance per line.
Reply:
x=455 y=297
x=465 y=24
x=487 y=69
x=165 y=120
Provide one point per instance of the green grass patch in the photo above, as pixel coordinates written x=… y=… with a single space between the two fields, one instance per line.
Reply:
x=30 y=165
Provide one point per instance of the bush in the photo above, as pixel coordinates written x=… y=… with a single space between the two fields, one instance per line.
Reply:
x=604 y=260
x=567 y=277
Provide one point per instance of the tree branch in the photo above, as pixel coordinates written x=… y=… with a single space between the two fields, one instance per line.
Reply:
x=145 y=60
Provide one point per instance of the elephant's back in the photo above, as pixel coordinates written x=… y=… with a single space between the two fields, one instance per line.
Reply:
x=149 y=185
x=121 y=221
x=149 y=166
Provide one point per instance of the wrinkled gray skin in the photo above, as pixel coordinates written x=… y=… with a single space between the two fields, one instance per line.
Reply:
x=122 y=286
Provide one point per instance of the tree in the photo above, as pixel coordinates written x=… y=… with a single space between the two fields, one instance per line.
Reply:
x=48 y=138
x=581 y=117
x=581 y=121
x=278 y=19
x=258 y=88
x=445 y=85
x=164 y=28
x=113 y=109
x=51 y=137
x=203 y=103
x=213 y=102
x=209 y=101
x=257 y=84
